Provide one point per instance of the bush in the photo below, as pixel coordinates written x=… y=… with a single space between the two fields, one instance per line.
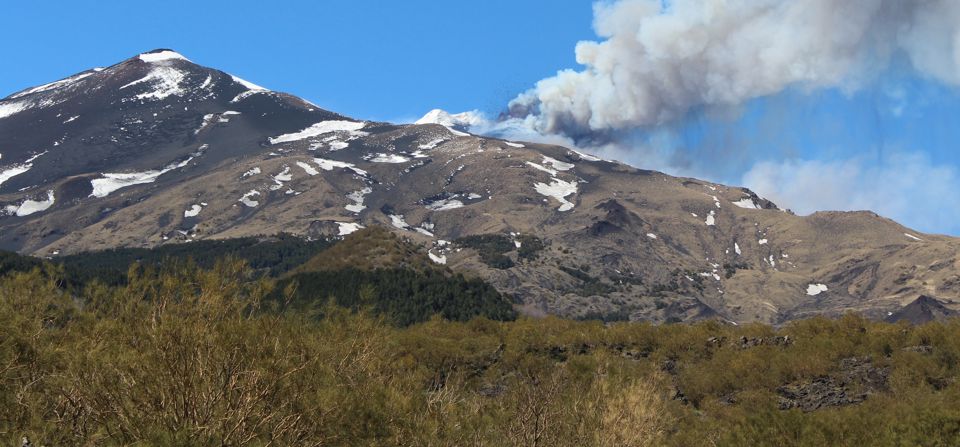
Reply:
x=184 y=355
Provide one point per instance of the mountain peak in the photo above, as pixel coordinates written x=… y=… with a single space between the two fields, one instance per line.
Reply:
x=161 y=54
x=461 y=121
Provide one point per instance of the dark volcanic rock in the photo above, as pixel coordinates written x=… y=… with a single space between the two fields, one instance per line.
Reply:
x=853 y=383
x=922 y=310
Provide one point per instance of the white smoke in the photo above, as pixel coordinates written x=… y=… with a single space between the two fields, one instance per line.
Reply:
x=660 y=60
x=660 y=63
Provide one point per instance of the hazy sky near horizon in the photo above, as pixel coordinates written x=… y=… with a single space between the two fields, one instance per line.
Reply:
x=889 y=145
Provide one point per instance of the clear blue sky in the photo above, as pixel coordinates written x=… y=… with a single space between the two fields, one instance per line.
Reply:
x=371 y=59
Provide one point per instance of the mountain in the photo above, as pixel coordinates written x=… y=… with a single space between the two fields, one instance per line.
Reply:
x=157 y=150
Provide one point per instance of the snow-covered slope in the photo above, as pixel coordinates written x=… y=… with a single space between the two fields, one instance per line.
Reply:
x=459 y=121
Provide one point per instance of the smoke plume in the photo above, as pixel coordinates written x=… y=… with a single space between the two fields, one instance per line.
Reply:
x=659 y=60
x=661 y=66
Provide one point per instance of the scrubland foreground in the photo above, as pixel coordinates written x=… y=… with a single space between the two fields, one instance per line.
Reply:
x=193 y=356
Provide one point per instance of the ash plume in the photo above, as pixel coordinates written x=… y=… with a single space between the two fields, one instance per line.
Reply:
x=659 y=60
x=662 y=67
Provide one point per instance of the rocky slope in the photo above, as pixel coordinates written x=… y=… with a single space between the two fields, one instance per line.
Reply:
x=157 y=149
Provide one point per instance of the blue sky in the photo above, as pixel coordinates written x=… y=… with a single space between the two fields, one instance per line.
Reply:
x=386 y=60
x=889 y=146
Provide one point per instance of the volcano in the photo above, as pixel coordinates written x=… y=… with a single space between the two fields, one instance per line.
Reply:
x=157 y=150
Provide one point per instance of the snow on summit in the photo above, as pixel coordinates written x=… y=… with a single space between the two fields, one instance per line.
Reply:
x=161 y=55
x=165 y=82
x=459 y=120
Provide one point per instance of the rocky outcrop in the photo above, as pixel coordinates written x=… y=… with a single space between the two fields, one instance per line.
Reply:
x=922 y=310
x=857 y=378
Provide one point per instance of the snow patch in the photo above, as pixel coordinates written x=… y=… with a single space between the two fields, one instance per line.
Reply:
x=247 y=198
x=348 y=228
x=388 y=158
x=253 y=171
x=28 y=207
x=431 y=145
x=329 y=165
x=111 y=182
x=439 y=259
x=14 y=171
x=279 y=179
x=651 y=236
x=557 y=164
x=445 y=204
x=165 y=55
x=711 y=219
x=307 y=168
x=558 y=189
x=762 y=241
x=13 y=108
x=165 y=82
x=193 y=211
x=357 y=198
x=512 y=144
x=463 y=120
x=352 y=127
x=747 y=203
x=249 y=85
x=736 y=248
x=397 y=221
x=586 y=157
x=905 y=234
x=542 y=168
x=207 y=120
x=816 y=289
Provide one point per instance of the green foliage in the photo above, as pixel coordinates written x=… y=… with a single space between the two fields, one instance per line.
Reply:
x=403 y=296
x=185 y=355
x=491 y=248
x=269 y=255
x=13 y=262
x=530 y=247
x=730 y=269
x=371 y=248
x=589 y=285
